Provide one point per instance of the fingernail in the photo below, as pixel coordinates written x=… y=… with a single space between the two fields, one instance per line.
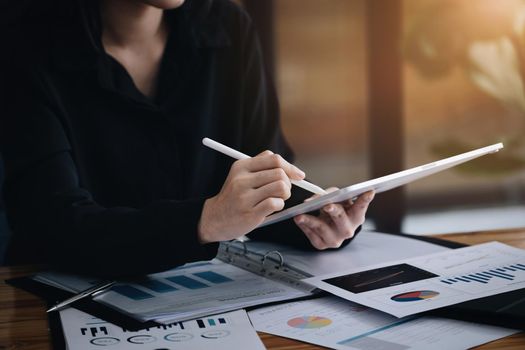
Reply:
x=369 y=197
x=299 y=171
x=300 y=220
x=330 y=208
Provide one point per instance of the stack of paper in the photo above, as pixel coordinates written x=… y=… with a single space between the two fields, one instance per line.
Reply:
x=184 y=293
x=403 y=282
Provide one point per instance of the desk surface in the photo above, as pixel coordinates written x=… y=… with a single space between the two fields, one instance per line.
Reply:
x=23 y=322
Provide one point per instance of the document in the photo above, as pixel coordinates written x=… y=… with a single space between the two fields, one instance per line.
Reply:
x=410 y=286
x=368 y=248
x=187 y=292
x=225 y=331
x=239 y=278
x=194 y=291
x=339 y=324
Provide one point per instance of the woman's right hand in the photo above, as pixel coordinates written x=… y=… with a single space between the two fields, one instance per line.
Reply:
x=254 y=188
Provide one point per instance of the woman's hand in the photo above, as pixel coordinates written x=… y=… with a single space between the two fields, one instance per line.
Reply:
x=254 y=188
x=336 y=223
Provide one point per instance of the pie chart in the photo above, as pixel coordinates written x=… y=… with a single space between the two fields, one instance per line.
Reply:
x=309 y=322
x=415 y=296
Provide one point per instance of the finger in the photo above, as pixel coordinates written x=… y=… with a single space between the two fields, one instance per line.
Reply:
x=331 y=189
x=266 y=161
x=364 y=200
x=268 y=206
x=265 y=177
x=358 y=210
x=246 y=164
x=322 y=230
x=276 y=189
x=340 y=219
x=348 y=204
x=314 y=239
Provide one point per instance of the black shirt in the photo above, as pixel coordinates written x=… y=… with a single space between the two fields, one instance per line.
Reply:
x=102 y=179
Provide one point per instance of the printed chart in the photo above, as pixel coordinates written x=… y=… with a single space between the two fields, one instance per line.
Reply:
x=509 y=273
x=169 y=284
x=341 y=324
x=420 y=284
x=195 y=290
x=309 y=322
x=415 y=296
x=226 y=331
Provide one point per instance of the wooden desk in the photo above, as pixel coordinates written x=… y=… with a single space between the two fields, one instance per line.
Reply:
x=23 y=322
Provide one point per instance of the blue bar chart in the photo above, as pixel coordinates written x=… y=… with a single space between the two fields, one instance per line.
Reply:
x=211 y=322
x=148 y=288
x=131 y=292
x=213 y=277
x=187 y=282
x=503 y=273
x=157 y=286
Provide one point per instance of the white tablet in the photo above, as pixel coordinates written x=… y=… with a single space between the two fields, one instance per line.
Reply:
x=380 y=184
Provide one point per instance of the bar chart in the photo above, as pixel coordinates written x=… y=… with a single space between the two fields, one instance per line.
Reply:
x=193 y=291
x=460 y=275
x=211 y=322
x=231 y=330
x=487 y=276
x=147 y=289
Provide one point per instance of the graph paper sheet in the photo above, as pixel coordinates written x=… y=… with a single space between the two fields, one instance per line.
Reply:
x=411 y=286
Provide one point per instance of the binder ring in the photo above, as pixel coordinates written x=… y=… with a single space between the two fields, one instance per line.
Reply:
x=281 y=259
x=244 y=248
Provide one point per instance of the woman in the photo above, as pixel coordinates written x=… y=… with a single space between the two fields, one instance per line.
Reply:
x=105 y=170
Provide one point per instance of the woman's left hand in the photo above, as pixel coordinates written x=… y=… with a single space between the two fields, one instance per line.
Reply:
x=336 y=223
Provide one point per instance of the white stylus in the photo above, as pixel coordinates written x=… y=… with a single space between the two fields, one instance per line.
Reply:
x=238 y=155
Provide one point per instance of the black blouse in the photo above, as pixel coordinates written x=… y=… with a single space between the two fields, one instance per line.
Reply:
x=102 y=179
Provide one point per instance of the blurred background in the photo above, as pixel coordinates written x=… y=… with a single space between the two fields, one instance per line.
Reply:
x=370 y=87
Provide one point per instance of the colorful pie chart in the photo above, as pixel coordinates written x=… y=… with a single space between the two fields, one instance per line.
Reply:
x=309 y=322
x=415 y=296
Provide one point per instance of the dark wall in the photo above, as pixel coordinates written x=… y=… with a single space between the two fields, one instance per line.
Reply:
x=4 y=232
x=11 y=13
x=3 y=222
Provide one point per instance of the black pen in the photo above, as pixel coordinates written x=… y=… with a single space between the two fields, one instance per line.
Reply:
x=99 y=288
